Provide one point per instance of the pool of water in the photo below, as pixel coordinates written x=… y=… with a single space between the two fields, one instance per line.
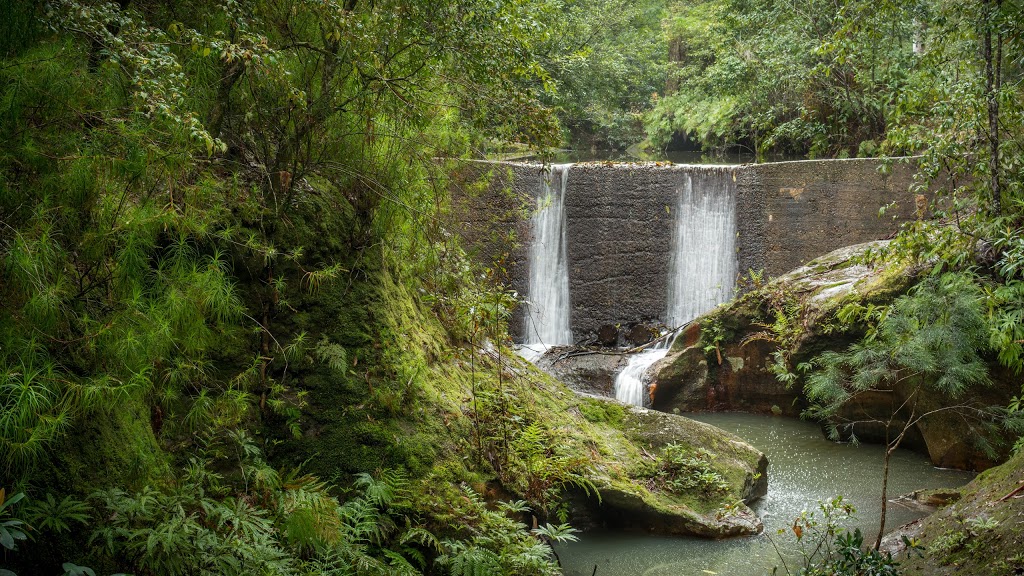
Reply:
x=804 y=469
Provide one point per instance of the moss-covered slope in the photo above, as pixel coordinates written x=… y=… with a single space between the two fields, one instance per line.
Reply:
x=410 y=395
x=979 y=534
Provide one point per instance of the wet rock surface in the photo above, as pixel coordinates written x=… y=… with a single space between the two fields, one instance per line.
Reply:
x=585 y=371
x=722 y=361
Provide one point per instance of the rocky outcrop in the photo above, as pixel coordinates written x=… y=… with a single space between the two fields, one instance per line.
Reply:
x=631 y=502
x=721 y=361
x=976 y=531
x=724 y=359
x=585 y=371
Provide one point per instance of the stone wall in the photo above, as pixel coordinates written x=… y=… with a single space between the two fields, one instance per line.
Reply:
x=809 y=208
x=619 y=224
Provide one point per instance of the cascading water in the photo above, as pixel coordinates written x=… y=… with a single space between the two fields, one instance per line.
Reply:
x=547 y=311
x=631 y=383
x=702 y=269
x=703 y=266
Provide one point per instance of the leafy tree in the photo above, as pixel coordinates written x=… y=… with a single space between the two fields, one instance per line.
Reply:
x=923 y=352
x=812 y=77
x=606 y=60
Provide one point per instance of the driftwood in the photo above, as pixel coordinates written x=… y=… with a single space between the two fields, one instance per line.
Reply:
x=573 y=353
x=1012 y=493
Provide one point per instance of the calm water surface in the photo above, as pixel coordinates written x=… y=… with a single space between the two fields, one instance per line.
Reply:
x=804 y=468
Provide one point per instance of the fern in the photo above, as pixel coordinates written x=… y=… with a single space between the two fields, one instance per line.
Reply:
x=463 y=559
x=333 y=355
x=57 y=516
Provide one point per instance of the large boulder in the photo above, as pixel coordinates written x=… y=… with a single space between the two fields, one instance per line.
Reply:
x=632 y=499
x=724 y=360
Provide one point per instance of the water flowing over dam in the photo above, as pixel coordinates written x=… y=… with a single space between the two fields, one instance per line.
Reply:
x=702 y=267
x=619 y=226
x=547 y=308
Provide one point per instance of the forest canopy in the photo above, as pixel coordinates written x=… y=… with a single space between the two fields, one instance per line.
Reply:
x=215 y=214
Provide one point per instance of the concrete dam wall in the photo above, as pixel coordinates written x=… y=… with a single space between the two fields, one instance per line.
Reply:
x=621 y=226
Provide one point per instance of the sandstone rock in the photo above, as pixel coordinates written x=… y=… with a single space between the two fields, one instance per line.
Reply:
x=584 y=371
x=731 y=372
x=635 y=506
x=978 y=532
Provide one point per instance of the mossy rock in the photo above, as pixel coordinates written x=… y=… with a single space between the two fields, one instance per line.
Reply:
x=979 y=533
x=629 y=502
x=723 y=361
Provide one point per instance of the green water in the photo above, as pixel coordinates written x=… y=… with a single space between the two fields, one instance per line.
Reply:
x=804 y=468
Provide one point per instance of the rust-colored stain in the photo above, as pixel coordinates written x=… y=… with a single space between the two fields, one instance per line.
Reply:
x=794 y=193
x=691 y=334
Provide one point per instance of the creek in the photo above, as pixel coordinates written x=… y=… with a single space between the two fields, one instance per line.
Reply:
x=804 y=468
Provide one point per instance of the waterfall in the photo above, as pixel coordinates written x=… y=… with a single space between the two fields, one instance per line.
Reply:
x=703 y=266
x=702 y=269
x=547 y=309
x=631 y=383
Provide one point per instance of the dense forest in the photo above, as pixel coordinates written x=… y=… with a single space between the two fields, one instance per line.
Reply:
x=239 y=329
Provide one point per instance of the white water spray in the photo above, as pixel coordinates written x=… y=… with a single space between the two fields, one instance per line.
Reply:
x=631 y=383
x=702 y=269
x=547 y=317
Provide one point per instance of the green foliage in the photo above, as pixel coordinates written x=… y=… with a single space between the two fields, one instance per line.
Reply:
x=930 y=340
x=542 y=469
x=826 y=548
x=496 y=544
x=280 y=524
x=783 y=327
x=11 y=528
x=607 y=62
x=962 y=536
x=215 y=212
x=683 y=470
x=50 y=515
x=810 y=77
x=556 y=533
x=924 y=351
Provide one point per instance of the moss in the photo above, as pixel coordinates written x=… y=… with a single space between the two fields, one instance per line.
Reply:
x=112 y=448
x=412 y=396
x=602 y=412
x=980 y=533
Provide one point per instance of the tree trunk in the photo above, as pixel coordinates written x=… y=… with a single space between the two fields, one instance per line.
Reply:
x=885 y=495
